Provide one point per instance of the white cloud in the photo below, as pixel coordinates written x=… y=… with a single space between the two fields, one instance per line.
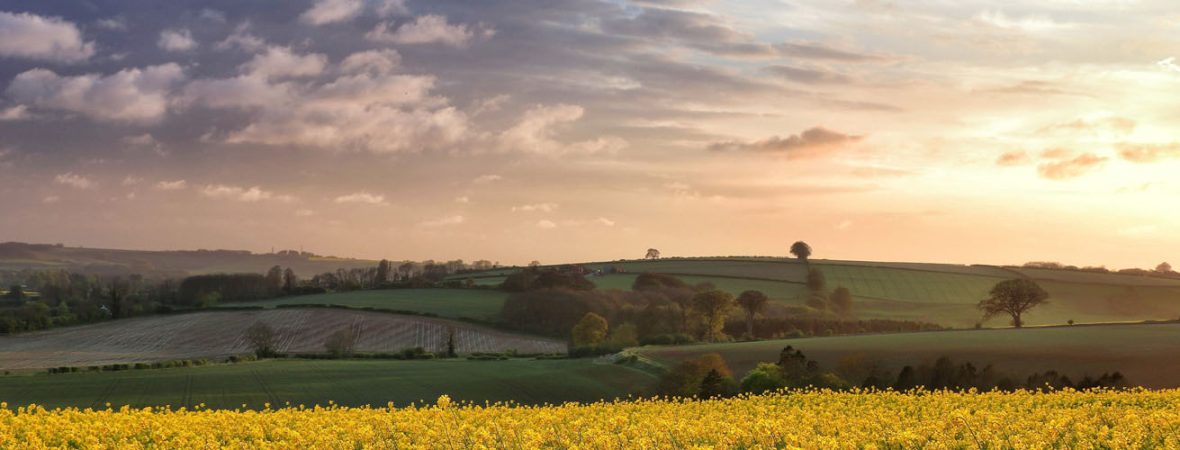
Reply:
x=176 y=40
x=280 y=62
x=331 y=11
x=429 y=29
x=212 y=15
x=304 y=213
x=249 y=195
x=387 y=8
x=174 y=185
x=130 y=95
x=534 y=133
x=546 y=224
x=245 y=91
x=24 y=35
x=74 y=180
x=462 y=199
x=484 y=179
x=242 y=39
x=542 y=207
x=131 y=180
x=50 y=199
x=1169 y=64
x=605 y=222
x=378 y=62
x=15 y=113
x=362 y=197
x=444 y=221
x=112 y=23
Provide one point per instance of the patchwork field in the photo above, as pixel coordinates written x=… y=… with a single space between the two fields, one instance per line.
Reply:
x=344 y=382
x=1144 y=353
x=456 y=303
x=222 y=333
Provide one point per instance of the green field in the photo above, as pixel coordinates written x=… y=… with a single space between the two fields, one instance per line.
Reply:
x=1146 y=354
x=480 y=304
x=349 y=382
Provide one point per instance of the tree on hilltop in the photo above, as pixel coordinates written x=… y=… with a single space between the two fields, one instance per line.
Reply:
x=801 y=250
x=1013 y=297
x=652 y=254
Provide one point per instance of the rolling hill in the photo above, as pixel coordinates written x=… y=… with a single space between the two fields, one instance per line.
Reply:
x=1142 y=352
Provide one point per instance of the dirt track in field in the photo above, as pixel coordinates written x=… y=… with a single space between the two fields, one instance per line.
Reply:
x=215 y=334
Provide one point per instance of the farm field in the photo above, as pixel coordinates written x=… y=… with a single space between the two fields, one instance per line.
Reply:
x=455 y=303
x=344 y=382
x=222 y=333
x=1141 y=352
x=1104 y=419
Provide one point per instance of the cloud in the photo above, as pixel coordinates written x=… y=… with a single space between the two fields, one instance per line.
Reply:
x=112 y=23
x=176 y=185
x=534 y=133
x=15 y=113
x=810 y=142
x=1071 y=168
x=242 y=39
x=485 y=179
x=130 y=95
x=546 y=224
x=24 y=35
x=176 y=40
x=444 y=221
x=1119 y=125
x=1148 y=153
x=429 y=29
x=131 y=180
x=463 y=199
x=387 y=8
x=1013 y=158
x=377 y=62
x=362 y=197
x=604 y=222
x=808 y=75
x=821 y=51
x=332 y=11
x=50 y=199
x=1169 y=64
x=542 y=207
x=249 y=195
x=304 y=213
x=74 y=180
x=278 y=62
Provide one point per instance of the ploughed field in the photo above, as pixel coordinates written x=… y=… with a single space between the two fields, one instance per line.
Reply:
x=1146 y=353
x=478 y=304
x=213 y=334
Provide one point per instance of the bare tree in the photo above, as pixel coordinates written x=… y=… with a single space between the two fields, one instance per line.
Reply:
x=261 y=338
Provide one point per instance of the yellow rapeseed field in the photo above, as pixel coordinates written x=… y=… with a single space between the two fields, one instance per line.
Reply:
x=1138 y=419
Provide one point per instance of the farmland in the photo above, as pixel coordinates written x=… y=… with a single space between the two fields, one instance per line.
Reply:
x=347 y=382
x=853 y=420
x=1135 y=350
x=222 y=333
x=476 y=304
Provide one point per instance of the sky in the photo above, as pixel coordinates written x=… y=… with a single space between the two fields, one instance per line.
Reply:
x=994 y=132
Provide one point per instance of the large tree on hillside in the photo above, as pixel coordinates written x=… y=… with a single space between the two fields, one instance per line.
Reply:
x=713 y=306
x=841 y=301
x=1013 y=297
x=753 y=302
x=801 y=250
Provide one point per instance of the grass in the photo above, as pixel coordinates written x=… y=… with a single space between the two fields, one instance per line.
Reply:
x=345 y=382
x=1141 y=352
x=477 y=304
